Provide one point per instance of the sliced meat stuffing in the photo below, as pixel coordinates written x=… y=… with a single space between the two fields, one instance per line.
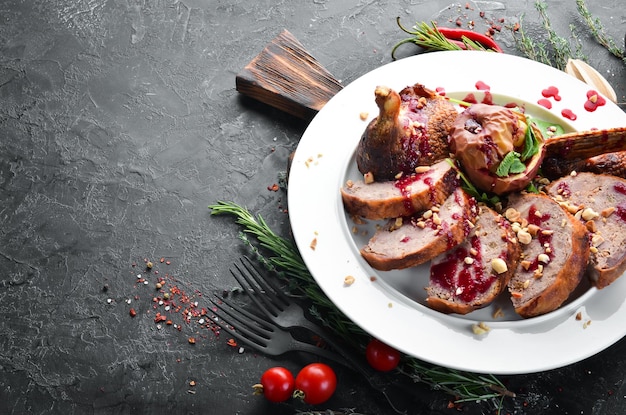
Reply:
x=414 y=240
x=555 y=252
x=474 y=273
x=402 y=197
x=599 y=201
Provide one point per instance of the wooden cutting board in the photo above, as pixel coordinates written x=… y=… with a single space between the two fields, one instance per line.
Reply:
x=285 y=76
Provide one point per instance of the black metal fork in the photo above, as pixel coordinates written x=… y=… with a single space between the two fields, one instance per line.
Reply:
x=286 y=314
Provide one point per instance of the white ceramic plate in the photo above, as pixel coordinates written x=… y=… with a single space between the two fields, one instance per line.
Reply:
x=391 y=305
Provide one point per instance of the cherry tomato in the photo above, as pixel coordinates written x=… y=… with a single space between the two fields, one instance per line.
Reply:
x=315 y=383
x=381 y=356
x=277 y=384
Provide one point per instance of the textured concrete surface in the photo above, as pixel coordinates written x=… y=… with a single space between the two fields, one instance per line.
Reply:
x=119 y=125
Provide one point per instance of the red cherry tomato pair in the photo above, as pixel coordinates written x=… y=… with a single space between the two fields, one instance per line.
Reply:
x=381 y=357
x=314 y=384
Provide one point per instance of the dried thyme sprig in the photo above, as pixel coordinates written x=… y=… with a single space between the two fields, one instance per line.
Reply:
x=285 y=258
x=560 y=46
x=558 y=49
x=597 y=30
x=531 y=49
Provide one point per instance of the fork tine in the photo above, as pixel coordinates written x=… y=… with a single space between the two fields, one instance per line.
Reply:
x=240 y=314
x=257 y=334
x=266 y=283
x=266 y=297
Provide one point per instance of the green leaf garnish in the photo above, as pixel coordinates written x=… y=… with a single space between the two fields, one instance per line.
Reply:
x=531 y=142
x=510 y=164
x=471 y=190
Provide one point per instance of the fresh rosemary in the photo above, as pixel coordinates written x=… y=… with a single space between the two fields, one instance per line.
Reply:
x=430 y=37
x=282 y=256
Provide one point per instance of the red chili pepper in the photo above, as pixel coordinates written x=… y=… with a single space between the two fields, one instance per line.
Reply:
x=456 y=36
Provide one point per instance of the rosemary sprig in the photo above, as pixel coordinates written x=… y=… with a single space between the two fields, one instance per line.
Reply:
x=597 y=30
x=429 y=37
x=284 y=257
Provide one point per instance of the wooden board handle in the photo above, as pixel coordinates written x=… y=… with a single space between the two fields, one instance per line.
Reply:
x=285 y=76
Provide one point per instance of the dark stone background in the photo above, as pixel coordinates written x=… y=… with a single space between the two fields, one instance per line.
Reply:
x=119 y=125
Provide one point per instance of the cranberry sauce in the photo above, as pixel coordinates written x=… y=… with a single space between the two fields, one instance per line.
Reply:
x=535 y=217
x=404 y=185
x=414 y=141
x=564 y=190
x=462 y=280
x=620 y=209
x=620 y=188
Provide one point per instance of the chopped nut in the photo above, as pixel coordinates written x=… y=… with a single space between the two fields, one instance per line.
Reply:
x=368 y=178
x=589 y=214
x=596 y=240
x=480 y=328
x=349 y=184
x=422 y=169
x=533 y=229
x=525 y=264
x=473 y=251
x=524 y=237
x=428 y=214
x=526 y=284
x=498 y=313
x=436 y=219
x=607 y=212
x=543 y=258
x=591 y=226
x=468 y=260
x=348 y=280
x=498 y=265
x=363 y=115
x=579 y=316
x=398 y=175
x=313 y=244
x=512 y=215
x=398 y=222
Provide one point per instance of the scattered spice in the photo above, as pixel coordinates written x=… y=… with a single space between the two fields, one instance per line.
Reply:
x=173 y=302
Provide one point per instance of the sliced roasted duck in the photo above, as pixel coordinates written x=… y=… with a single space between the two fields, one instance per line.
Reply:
x=610 y=163
x=598 y=151
x=411 y=130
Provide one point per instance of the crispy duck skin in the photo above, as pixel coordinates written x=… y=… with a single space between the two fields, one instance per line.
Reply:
x=610 y=163
x=410 y=130
x=598 y=151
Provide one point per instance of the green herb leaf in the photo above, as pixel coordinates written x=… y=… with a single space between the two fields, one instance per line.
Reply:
x=531 y=142
x=510 y=164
